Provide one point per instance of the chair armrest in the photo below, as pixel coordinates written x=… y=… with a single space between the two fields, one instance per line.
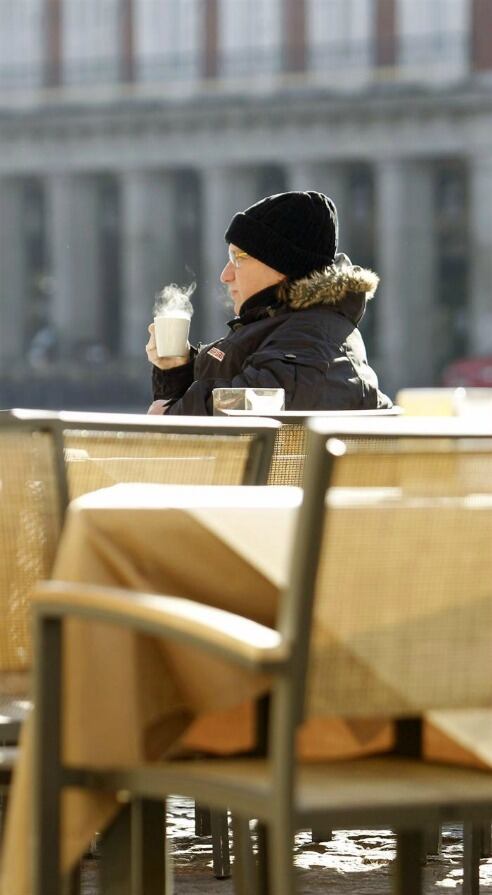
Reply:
x=222 y=633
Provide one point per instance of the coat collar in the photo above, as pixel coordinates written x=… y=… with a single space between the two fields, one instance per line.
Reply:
x=343 y=286
x=263 y=304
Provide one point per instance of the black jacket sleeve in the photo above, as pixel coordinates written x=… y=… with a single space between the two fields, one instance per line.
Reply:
x=172 y=384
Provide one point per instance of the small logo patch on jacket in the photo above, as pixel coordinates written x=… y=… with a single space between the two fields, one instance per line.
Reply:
x=217 y=353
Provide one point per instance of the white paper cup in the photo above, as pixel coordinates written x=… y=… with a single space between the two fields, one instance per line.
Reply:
x=171 y=333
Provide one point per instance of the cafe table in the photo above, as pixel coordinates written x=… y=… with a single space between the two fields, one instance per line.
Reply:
x=128 y=697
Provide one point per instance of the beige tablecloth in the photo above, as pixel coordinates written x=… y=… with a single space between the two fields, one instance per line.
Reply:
x=129 y=697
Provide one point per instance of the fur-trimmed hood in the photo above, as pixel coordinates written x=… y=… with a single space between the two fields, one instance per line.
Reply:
x=331 y=286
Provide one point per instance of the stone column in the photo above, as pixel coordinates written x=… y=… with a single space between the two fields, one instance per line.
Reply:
x=12 y=270
x=127 y=16
x=385 y=28
x=53 y=42
x=148 y=246
x=211 y=49
x=406 y=252
x=330 y=178
x=294 y=35
x=481 y=23
x=480 y=256
x=73 y=236
x=224 y=192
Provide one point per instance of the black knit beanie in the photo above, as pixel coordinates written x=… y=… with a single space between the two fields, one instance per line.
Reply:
x=295 y=233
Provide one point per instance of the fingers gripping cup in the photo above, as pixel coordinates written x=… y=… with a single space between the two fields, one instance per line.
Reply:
x=172 y=328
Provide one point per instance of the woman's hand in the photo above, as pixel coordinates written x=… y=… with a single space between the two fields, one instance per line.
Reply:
x=164 y=363
x=158 y=407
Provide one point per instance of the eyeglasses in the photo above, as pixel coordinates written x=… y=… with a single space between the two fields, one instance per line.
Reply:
x=235 y=255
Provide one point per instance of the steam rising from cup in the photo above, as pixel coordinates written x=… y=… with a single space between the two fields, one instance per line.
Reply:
x=172 y=315
x=174 y=298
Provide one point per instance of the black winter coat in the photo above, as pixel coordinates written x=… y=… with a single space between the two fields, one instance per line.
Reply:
x=301 y=336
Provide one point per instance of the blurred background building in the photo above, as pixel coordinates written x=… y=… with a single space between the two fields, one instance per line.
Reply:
x=131 y=131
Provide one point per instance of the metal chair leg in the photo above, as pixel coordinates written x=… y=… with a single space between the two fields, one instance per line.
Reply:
x=319 y=835
x=408 y=867
x=486 y=849
x=244 y=870
x=472 y=842
x=148 y=856
x=47 y=750
x=74 y=886
x=3 y=811
x=263 y=875
x=433 y=841
x=281 y=855
x=220 y=844
x=203 y=826
x=116 y=848
x=215 y=824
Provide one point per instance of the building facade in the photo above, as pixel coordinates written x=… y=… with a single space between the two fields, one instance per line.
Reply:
x=132 y=130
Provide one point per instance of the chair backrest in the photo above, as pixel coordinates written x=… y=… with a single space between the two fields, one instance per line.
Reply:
x=389 y=605
x=32 y=502
x=428 y=401
x=289 y=452
x=105 y=449
x=444 y=401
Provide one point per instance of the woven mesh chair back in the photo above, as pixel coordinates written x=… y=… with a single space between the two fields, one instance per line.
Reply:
x=403 y=596
x=30 y=526
x=289 y=451
x=100 y=458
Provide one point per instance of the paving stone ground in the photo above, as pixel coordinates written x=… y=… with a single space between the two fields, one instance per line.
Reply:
x=355 y=862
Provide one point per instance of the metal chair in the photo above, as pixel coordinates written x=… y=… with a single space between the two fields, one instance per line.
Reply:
x=103 y=449
x=343 y=645
x=33 y=497
x=446 y=401
x=287 y=468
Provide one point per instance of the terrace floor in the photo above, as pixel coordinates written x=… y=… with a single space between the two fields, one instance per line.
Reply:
x=355 y=862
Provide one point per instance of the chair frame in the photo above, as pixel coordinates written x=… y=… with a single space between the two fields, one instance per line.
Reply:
x=256 y=473
x=41 y=421
x=263 y=433
x=260 y=453
x=11 y=723
x=461 y=795
x=36 y=423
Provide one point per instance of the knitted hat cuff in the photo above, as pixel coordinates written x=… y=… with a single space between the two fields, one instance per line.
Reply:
x=264 y=244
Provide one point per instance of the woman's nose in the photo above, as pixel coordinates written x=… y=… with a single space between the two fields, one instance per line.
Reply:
x=227 y=274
